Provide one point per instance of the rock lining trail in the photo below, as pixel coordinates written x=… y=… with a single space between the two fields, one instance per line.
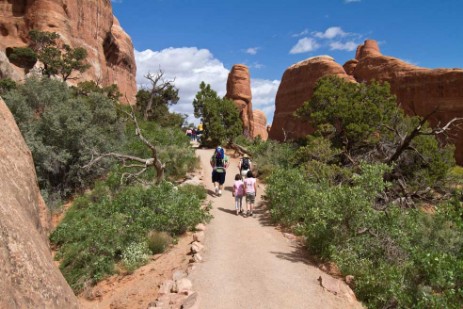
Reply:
x=249 y=264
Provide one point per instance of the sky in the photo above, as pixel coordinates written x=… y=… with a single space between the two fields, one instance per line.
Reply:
x=200 y=40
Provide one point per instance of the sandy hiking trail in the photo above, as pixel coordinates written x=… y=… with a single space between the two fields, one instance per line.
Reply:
x=249 y=264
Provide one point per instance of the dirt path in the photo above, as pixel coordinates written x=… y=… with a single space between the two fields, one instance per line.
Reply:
x=250 y=264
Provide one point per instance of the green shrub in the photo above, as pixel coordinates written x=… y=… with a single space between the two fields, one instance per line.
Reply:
x=100 y=227
x=134 y=256
x=399 y=257
x=158 y=241
x=6 y=84
x=23 y=57
x=63 y=132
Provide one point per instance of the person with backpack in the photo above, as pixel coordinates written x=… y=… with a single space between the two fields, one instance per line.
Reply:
x=245 y=165
x=238 y=193
x=219 y=163
x=251 y=193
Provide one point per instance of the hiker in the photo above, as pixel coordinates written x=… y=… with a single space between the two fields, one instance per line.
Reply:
x=219 y=162
x=188 y=133
x=193 y=134
x=251 y=193
x=238 y=193
x=200 y=129
x=245 y=165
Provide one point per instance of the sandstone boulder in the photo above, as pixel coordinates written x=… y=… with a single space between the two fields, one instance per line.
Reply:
x=419 y=91
x=296 y=87
x=260 y=124
x=85 y=23
x=29 y=278
x=239 y=91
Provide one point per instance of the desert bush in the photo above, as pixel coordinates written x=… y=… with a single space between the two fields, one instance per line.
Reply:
x=400 y=257
x=63 y=131
x=99 y=229
x=158 y=241
x=6 y=84
x=135 y=255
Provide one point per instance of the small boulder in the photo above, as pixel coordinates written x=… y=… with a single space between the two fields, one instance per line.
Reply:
x=196 y=247
x=183 y=286
x=200 y=227
x=192 y=302
x=199 y=236
x=166 y=287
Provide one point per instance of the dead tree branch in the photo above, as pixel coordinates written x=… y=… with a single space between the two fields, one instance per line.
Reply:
x=158 y=84
x=154 y=161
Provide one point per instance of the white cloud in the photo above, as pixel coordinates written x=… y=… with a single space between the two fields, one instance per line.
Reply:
x=252 y=50
x=330 y=33
x=263 y=96
x=349 y=46
x=304 y=32
x=189 y=66
x=304 y=45
x=351 y=1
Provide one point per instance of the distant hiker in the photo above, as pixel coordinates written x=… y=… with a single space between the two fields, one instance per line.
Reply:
x=219 y=162
x=238 y=193
x=251 y=192
x=188 y=133
x=245 y=165
x=200 y=129
x=193 y=134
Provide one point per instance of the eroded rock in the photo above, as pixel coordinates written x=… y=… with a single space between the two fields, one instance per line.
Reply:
x=89 y=24
x=296 y=87
x=29 y=278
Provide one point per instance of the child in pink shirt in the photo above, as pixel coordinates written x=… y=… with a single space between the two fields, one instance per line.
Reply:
x=251 y=192
x=238 y=193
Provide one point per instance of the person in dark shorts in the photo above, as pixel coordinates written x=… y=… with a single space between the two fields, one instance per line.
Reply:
x=219 y=163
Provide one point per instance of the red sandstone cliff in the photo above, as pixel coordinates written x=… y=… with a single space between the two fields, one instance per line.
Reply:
x=239 y=91
x=419 y=91
x=260 y=124
x=81 y=23
x=29 y=278
x=296 y=87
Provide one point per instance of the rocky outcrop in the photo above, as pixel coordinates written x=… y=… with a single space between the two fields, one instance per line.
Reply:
x=260 y=124
x=29 y=278
x=296 y=87
x=81 y=23
x=239 y=91
x=420 y=91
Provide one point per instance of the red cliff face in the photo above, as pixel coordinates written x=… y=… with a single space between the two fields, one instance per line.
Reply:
x=260 y=124
x=239 y=91
x=29 y=278
x=296 y=87
x=81 y=23
x=419 y=91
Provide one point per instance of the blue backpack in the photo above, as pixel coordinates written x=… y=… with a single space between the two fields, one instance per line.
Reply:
x=219 y=156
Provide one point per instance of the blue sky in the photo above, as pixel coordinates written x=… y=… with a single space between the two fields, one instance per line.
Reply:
x=196 y=40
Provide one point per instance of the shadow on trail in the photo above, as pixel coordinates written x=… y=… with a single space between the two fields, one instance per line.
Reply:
x=263 y=214
x=228 y=210
x=211 y=192
x=299 y=255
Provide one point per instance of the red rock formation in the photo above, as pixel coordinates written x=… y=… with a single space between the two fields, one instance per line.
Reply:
x=296 y=87
x=239 y=90
x=419 y=90
x=29 y=278
x=81 y=23
x=260 y=124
